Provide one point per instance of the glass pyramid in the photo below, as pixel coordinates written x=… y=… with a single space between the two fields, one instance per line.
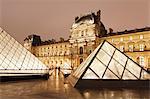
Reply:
x=15 y=60
x=107 y=62
x=66 y=68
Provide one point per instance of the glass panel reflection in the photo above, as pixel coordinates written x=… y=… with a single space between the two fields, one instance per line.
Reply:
x=128 y=75
x=121 y=58
x=108 y=48
x=103 y=57
x=134 y=68
x=109 y=75
x=79 y=71
x=89 y=75
x=13 y=56
x=98 y=67
x=116 y=68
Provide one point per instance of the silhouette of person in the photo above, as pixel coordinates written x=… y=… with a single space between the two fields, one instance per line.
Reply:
x=58 y=70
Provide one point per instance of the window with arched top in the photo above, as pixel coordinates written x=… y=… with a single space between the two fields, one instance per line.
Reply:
x=81 y=60
x=90 y=51
x=65 y=53
x=61 y=62
x=81 y=50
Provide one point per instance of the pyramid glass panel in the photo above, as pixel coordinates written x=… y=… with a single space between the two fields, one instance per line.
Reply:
x=115 y=67
x=98 y=67
x=79 y=71
x=16 y=60
x=103 y=57
x=110 y=75
x=108 y=62
x=90 y=75
x=128 y=75
x=120 y=58
x=134 y=68
x=108 y=48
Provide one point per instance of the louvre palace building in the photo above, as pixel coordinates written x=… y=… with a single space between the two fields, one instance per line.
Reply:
x=86 y=33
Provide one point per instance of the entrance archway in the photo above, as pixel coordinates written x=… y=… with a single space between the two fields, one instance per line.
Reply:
x=81 y=60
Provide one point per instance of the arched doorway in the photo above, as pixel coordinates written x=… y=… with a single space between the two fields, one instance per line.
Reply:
x=81 y=60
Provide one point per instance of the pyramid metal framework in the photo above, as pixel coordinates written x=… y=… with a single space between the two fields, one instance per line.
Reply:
x=15 y=60
x=107 y=62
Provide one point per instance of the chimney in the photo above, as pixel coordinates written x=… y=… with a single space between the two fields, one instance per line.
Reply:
x=76 y=18
x=110 y=30
x=99 y=14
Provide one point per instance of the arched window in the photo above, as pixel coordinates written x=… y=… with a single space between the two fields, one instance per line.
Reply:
x=82 y=33
x=81 y=60
x=60 y=62
x=90 y=51
x=81 y=50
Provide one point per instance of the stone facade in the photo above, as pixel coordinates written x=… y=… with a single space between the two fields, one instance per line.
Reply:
x=87 y=32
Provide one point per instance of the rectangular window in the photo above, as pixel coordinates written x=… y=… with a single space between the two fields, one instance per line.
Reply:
x=141 y=36
x=141 y=61
x=122 y=48
x=130 y=38
x=121 y=39
x=141 y=47
x=131 y=48
x=112 y=40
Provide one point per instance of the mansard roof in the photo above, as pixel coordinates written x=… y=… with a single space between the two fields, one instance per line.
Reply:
x=85 y=17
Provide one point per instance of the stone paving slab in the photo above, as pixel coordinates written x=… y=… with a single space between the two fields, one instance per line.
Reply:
x=55 y=88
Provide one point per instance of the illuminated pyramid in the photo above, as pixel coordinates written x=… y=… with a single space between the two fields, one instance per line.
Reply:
x=106 y=63
x=15 y=60
x=66 y=69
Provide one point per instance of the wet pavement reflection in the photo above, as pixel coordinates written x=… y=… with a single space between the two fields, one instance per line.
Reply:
x=55 y=88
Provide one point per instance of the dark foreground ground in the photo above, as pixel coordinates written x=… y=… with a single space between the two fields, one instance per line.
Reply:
x=54 y=88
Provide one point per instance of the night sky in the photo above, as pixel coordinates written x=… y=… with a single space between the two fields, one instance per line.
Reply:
x=53 y=18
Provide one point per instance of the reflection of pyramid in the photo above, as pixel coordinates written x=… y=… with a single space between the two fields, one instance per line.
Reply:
x=15 y=60
x=107 y=63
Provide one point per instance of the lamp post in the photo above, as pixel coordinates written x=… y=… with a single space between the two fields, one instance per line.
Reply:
x=77 y=51
x=71 y=56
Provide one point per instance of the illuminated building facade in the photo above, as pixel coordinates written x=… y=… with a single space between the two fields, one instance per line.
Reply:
x=53 y=54
x=87 y=32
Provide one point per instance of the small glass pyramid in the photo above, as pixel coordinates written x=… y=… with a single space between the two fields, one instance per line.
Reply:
x=15 y=60
x=107 y=62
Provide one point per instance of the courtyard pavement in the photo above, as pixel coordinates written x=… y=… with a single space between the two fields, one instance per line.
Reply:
x=55 y=88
